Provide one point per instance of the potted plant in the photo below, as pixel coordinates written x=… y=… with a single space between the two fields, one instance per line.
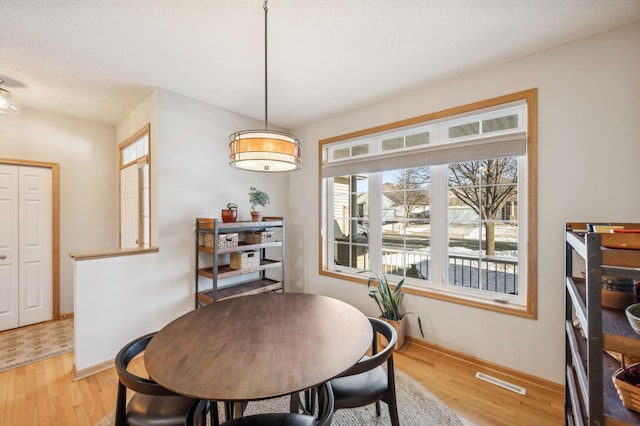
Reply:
x=389 y=301
x=230 y=214
x=257 y=198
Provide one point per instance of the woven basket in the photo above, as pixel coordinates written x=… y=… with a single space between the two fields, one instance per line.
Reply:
x=245 y=260
x=628 y=393
x=259 y=237
x=227 y=240
x=208 y=240
x=224 y=240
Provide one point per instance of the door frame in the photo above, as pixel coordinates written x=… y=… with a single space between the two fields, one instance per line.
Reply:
x=141 y=159
x=55 y=225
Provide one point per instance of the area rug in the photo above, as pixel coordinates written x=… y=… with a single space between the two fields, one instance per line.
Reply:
x=416 y=407
x=34 y=343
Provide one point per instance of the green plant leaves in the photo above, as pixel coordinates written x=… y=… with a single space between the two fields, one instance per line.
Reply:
x=388 y=300
x=257 y=197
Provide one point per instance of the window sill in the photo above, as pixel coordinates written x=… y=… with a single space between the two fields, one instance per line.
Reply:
x=488 y=305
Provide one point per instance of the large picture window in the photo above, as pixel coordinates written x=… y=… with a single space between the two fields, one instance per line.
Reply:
x=443 y=203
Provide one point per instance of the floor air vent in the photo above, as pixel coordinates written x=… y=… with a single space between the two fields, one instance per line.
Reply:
x=501 y=383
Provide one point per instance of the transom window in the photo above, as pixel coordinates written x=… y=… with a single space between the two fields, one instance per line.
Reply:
x=443 y=203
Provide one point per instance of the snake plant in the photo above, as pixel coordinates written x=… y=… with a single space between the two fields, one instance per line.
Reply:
x=388 y=299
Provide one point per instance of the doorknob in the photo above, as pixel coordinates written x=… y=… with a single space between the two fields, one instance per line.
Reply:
x=2 y=257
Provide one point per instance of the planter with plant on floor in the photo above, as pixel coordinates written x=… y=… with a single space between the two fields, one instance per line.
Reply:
x=389 y=301
x=257 y=198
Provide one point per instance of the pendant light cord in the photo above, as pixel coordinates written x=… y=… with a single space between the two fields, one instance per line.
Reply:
x=264 y=150
x=266 y=109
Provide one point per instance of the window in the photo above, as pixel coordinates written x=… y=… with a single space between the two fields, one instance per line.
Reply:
x=444 y=203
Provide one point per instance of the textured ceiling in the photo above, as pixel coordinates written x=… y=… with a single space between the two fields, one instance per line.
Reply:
x=97 y=59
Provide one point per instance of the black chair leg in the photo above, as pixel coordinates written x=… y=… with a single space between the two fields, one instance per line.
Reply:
x=393 y=412
x=378 y=408
x=228 y=410
x=121 y=406
x=213 y=411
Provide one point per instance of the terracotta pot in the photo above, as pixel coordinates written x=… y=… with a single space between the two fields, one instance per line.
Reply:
x=229 y=215
x=400 y=327
x=256 y=216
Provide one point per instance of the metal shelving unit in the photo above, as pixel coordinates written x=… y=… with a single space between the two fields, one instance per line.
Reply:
x=593 y=332
x=214 y=262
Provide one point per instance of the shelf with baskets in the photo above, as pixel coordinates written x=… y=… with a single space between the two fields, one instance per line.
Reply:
x=238 y=258
x=599 y=338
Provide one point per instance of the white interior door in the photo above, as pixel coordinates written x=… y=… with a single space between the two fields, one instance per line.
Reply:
x=9 y=284
x=35 y=242
x=129 y=207
x=26 y=238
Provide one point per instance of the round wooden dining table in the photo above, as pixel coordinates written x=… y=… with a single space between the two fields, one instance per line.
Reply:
x=258 y=346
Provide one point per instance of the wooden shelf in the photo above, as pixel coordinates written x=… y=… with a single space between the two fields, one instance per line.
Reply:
x=263 y=285
x=614 y=411
x=207 y=224
x=225 y=271
x=617 y=334
x=267 y=223
x=613 y=255
x=242 y=246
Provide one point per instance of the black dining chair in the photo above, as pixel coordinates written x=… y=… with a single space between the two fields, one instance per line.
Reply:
x=151 y=404
x=367 y=382
x=321 y=418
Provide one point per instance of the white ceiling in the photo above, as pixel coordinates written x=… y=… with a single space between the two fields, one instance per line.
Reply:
x=97 y=59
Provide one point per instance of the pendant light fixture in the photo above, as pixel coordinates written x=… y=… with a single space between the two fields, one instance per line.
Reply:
x=264 y=150
x=9 y=104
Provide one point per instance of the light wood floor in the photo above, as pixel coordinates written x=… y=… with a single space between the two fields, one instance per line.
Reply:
x=45 y=393
x=476 y=402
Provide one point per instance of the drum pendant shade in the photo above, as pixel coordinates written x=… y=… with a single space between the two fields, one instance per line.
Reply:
x=264 y=151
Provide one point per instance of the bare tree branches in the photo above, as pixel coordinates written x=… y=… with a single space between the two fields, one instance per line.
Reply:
x=485 y=186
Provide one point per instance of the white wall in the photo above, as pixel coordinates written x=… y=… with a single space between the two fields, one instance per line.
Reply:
x=86 y=155
x=588 y=170
x=121 y=298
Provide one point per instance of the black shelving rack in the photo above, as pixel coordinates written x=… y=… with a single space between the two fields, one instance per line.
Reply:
x=593 y=333
x=211 y=262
